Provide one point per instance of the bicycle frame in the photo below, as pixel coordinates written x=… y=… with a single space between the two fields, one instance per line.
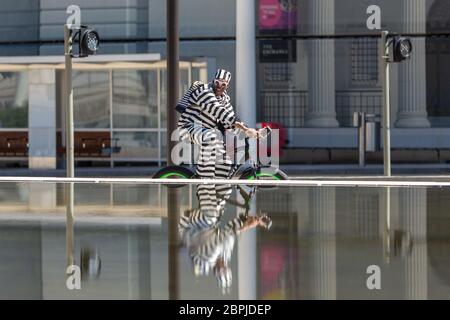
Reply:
x=248 y=169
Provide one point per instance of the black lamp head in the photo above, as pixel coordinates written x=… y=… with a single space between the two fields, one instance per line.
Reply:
x=89 y=41
x=402 y=49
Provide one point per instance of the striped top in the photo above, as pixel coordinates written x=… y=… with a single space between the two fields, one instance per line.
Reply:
x=184 y=102
x=206 y=242
x=208 y=110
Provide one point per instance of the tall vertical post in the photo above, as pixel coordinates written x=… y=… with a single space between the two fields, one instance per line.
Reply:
x=247 y=259
x=387 y=224
x=246 y=108
x=173 y=206
x=362 y=139
x=69 y=102
x=173 y=217
x=246 y=61
x=70 y=224
x=385 y=76
x=172 y=72
x=70 y=167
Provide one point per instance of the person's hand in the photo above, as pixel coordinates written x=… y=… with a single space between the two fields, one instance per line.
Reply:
x=265 y=221
x=254 y=221
x=251 y=133
x=251 y=222
x=240 y=125
x=262 y=133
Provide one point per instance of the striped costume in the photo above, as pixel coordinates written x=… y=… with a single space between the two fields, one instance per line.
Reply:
x=209 y=245
x=203 y=121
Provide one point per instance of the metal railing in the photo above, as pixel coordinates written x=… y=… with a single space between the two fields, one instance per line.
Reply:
x=289 y=107
x=348 y=102
x=283 y=106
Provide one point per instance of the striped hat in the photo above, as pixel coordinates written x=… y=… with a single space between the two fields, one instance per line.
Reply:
x=222 y=74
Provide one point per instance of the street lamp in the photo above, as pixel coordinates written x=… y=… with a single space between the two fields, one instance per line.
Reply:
x=402 y=49
x=88 y=42
x=393 y=49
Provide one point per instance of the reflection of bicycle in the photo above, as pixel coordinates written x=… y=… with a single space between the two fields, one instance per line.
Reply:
x=262 y=218
x=209 y=241
x=249 y=170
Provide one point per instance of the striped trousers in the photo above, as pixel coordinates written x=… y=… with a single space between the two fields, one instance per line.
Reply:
x=213 y=161
x=211 y=199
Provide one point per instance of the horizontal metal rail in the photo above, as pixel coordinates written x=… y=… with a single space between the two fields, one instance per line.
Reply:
x=229 y=38
x=388 y=182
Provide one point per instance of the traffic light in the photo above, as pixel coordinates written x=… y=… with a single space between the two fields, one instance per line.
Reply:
x=88 y=41
x=402 y=48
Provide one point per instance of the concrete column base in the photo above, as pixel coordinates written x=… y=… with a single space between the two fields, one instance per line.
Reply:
x=405 y=120
x=321 y=121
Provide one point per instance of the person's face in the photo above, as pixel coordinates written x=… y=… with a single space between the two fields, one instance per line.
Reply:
x=220 y=86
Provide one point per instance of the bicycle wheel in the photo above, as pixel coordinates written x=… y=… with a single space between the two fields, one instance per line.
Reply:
x=273 y=174
x=174 y=172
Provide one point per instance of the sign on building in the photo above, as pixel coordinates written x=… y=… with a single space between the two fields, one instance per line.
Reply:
x=271 y=51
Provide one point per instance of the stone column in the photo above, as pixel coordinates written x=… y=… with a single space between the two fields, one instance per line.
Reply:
x=41 y=119
x=321 y=77
x=323 y=223
x=413 y=211
x=412 y=108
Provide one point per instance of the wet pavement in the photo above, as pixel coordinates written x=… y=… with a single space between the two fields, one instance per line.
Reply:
x=223 y=242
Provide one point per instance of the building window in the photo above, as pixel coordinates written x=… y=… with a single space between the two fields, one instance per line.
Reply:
x=277 y=72
x=364 y=55
x=135 y=99
x=91 y=99
x=13 y=100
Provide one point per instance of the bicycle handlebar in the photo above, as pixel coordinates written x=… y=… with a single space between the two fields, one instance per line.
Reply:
x=268 y=132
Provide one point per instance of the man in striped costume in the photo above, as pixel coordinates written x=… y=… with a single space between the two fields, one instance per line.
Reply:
x=209 y=246
x=206 y=112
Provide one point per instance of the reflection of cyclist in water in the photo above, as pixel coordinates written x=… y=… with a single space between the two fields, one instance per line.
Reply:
x=210 y=246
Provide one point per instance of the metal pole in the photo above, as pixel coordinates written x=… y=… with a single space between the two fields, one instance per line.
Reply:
x=247 y=258
x=173 y=206
x=362 y=139
x=172 y=72
x=68 y=41
x=385 y=77
x=69 y=224
x=69 y=102
x=246 y=104
x=387 y=226
x=246 y=62
x=173 y=218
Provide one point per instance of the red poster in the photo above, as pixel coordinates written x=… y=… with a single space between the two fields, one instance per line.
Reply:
x=277 y=15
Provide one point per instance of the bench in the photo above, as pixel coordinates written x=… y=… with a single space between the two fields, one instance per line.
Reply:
x=13 y=144
x=91 y=144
